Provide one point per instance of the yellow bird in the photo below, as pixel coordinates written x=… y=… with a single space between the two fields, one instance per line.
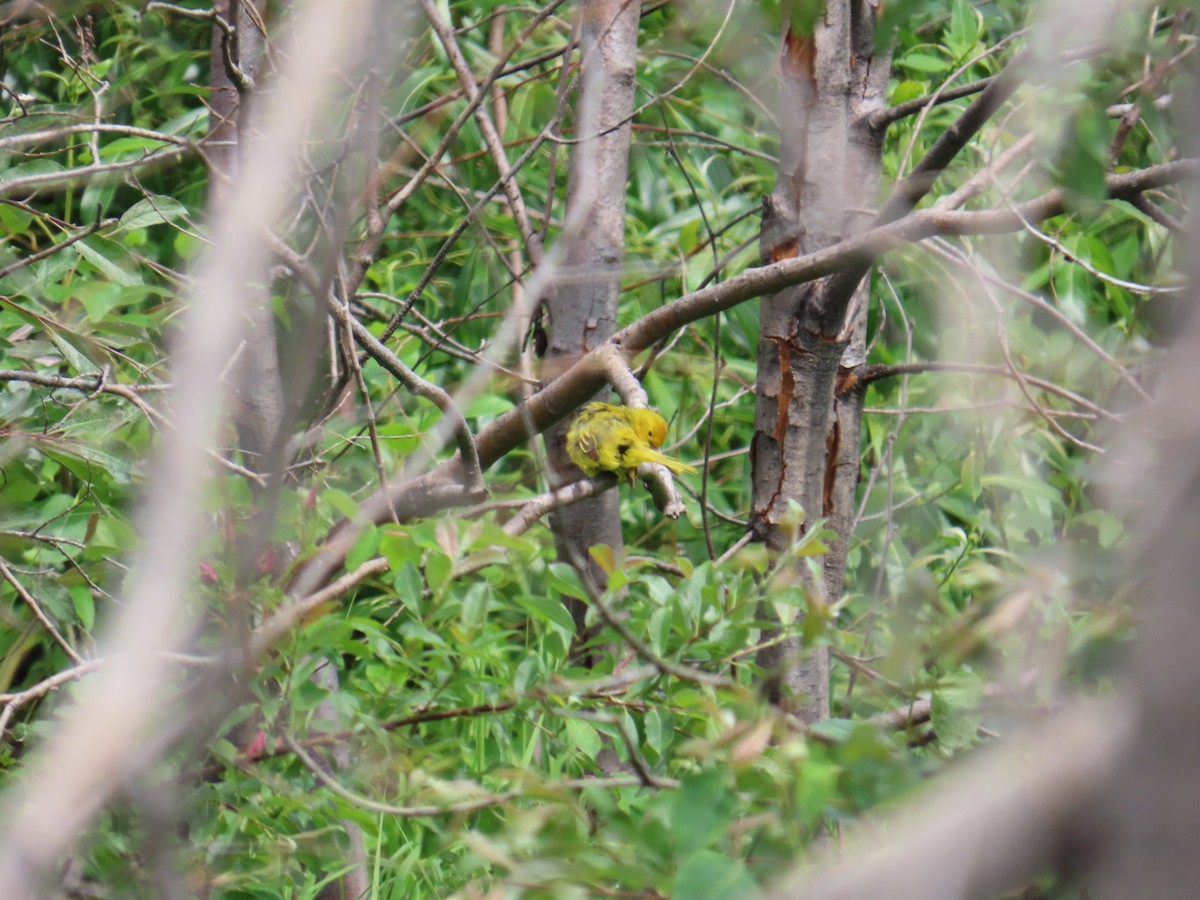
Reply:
x=608 y=438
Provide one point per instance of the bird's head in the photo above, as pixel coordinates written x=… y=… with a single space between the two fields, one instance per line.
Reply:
x=649 y=426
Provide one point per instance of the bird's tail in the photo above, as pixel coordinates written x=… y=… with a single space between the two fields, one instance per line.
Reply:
x=645 y=454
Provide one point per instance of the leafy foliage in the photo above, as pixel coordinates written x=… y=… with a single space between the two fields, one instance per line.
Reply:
x=980 y=568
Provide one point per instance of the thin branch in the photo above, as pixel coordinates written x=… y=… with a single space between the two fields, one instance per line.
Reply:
x=870 y=374
x=908 y=192
x=868 y=246
x=985 y=277
x=734 y=548
x=58 y=133
x=533 y=510
x=93 y=385
x=423 y=494
x=86 y=383
x=364 y=254
x=39 y=614
x=295 y=610
x=52 y=249
x=1026 y=816
x=67 y=177
x=14 y=701
x=1154 y=211
x=682 y=672
x=487 y=127
x=1133 y=287
x=826 y=312
x=645 y=776
x=882 y=118
x=389 y=361
x=462 y=807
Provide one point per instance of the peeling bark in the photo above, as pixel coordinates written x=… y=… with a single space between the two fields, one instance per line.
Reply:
x=806 y=438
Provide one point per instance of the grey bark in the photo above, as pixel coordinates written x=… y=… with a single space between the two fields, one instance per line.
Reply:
x=1108 y=792
x=583 y=305
x=356 y=883
x=805 y=446
x=1152 y=808
x=261 y=408
x=260 y=404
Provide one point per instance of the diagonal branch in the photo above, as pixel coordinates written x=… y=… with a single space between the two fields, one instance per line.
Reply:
x=413 y=382
x=827 y=310
x=441 y=487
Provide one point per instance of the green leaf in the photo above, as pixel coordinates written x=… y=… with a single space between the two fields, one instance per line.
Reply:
x=308 y=695
x=837 y=731
x=1109 y=528
x=100 y=298
x=406 y=581
x=804 y=15
x=1023 y=484
x=564 y=579
x=548 y=610
x=584 y=737
x=907 y=90
x=964 y=27
x=1085 y=161
x=341 y=501
x=475 y=606
x=79 y=361
x=399 y=550
x=154 y=209
x=702 y=811
x=14 y=219
x=365 y=546
x=438 y=569
x=112 y=535
x=817 y=788
x=954 y=712
x=972 y=478
x=713 y=876
x=925 y=63
x=186 y=245
x=658 y=726
x=110 y=258
x=85 y=605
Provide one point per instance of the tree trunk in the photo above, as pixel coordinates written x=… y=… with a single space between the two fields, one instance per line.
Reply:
x=805 y=446
x=583 y=307
x=234 y=64
x=261 y=405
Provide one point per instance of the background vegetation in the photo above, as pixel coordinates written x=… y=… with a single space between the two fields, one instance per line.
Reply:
x=433 y=713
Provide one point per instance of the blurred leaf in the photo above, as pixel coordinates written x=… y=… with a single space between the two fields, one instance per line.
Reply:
x=907 y=90
x=550 y=611
x=366 y=545
x=713 y=876
x=924 y=63
x=701 y=811
x=583 y=737
x=955 y=712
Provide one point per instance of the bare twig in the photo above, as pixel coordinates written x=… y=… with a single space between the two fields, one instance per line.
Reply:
x=491 y=136
x=39 y=613
x=460 y=807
